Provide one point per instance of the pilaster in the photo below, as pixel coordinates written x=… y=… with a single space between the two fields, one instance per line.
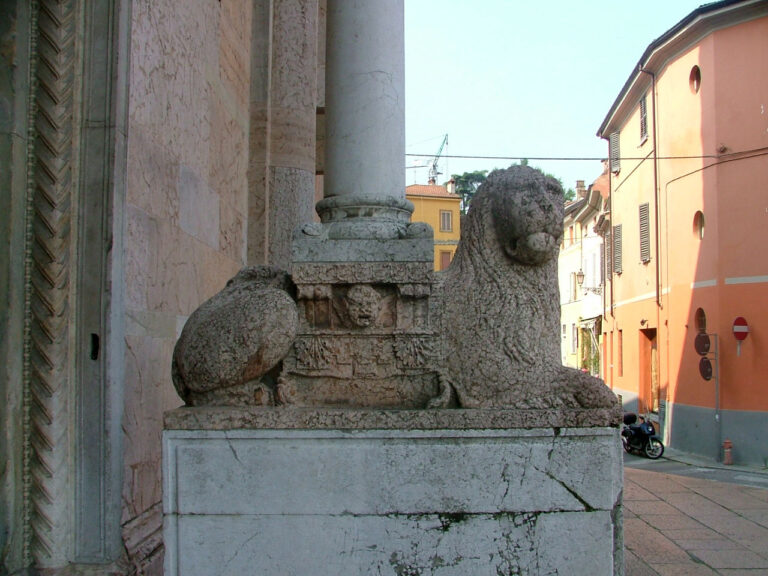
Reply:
x=72 y=401
x=48 y=393
x=283 y=126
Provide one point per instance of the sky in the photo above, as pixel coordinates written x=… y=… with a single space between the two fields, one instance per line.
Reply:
x=521 y=78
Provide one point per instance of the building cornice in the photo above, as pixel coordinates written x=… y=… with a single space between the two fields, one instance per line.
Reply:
x=591 y=205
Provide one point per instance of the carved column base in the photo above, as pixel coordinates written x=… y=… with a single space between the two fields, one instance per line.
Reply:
x=365 y=335
x=360 y=217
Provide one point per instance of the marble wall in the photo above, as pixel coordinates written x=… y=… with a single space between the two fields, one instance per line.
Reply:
x=181 y=127
x=185 y=213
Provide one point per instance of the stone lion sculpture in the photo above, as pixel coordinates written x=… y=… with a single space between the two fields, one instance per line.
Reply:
x=499 y=301
x=230 y=349
x=497 y=311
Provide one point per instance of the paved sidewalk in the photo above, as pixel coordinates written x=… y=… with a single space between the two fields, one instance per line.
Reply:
x=694 y=460
x=679 y=526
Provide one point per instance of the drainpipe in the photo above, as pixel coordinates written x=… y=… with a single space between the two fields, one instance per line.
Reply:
x=655 y=182
x=657 y=216
x=610 y=229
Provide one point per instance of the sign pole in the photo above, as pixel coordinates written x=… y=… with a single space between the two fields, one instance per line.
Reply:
x=718 y=423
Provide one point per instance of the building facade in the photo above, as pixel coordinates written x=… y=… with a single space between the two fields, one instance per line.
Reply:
x=148 y=151
x=581 y=280
x=688 y=142
x=440 y=208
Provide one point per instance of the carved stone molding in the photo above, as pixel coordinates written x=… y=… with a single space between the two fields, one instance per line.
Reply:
x=47 y=386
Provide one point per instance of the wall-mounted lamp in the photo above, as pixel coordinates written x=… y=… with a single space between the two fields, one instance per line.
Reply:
x=580 y=281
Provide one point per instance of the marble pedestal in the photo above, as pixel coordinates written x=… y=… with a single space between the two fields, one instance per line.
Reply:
x=410 y=492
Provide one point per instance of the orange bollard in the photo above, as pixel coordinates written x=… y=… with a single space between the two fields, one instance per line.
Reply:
x=727 y=456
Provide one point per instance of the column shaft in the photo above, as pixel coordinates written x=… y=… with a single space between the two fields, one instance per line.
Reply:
x=365 y=103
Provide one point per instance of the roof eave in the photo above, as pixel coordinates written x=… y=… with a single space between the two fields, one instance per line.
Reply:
x=701 y=22
x=591 y=205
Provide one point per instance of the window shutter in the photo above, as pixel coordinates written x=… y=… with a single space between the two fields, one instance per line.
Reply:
x=617 y=249
x=608 y=251
x=643 y=118
x=645 y=234
x=614 y=152
x=574 y=287
x=602 y=265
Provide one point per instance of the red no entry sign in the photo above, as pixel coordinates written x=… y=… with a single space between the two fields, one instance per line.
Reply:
x=740 y=328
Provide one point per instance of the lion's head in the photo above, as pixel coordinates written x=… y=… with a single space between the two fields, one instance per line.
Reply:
x=527 y=211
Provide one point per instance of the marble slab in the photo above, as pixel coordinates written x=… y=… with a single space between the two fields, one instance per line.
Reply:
x=378 y=501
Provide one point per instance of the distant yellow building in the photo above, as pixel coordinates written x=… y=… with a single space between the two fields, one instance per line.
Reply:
x=439 y=208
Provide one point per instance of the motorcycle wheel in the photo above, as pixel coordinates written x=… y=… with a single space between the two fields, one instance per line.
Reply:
x=625 y=444
x=654 y=449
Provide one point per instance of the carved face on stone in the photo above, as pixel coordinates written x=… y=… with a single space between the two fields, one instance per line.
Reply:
x=528 y=214
x=363 y=305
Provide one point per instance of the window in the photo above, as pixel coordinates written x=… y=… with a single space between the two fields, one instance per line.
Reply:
x=620 y=346
x=613 y=142
x=602 y=265
x=446 y=221
x=594 y=262
x=698 y=224
x=574 y=338
x=617 y=249
x=574 y=287
x=694 y=79
x=645 y=234
x=643 y=119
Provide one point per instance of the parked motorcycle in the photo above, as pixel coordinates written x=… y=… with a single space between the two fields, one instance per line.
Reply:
x=641 y=437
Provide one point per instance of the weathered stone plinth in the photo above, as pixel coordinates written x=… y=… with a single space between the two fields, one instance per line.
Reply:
x=314 y=491
x=365 y=336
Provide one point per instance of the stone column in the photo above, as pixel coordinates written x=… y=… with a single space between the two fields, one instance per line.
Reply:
x=283 y=133
x=363 y=275
x=365 y=120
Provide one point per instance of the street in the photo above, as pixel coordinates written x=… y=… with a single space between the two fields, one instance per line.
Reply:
x=685 y=519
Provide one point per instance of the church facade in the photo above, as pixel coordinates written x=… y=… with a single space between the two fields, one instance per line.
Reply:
x=148 y=151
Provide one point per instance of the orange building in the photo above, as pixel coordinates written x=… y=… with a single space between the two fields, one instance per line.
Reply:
x=687 y=230
x=440 y=208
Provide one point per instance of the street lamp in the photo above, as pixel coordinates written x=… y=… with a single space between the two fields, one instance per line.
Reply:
x=580 y=281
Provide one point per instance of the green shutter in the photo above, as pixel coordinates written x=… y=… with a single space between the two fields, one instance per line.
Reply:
x=645 y=234
x=614 y=153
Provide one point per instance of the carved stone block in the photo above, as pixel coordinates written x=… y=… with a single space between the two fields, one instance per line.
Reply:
x=365 y=335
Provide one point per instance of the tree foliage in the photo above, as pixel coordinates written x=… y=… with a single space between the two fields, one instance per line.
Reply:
x=468 y=183
x=466 y=186
x=569 y=194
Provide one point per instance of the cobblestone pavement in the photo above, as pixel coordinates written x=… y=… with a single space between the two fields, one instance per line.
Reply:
x=681 y=525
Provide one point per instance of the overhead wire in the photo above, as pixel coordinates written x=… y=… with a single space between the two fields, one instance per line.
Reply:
x=586 y=158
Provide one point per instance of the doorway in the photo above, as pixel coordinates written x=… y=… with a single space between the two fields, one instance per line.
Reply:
x=650 y=388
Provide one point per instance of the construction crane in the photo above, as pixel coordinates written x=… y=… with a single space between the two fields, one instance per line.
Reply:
x=433 y=173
